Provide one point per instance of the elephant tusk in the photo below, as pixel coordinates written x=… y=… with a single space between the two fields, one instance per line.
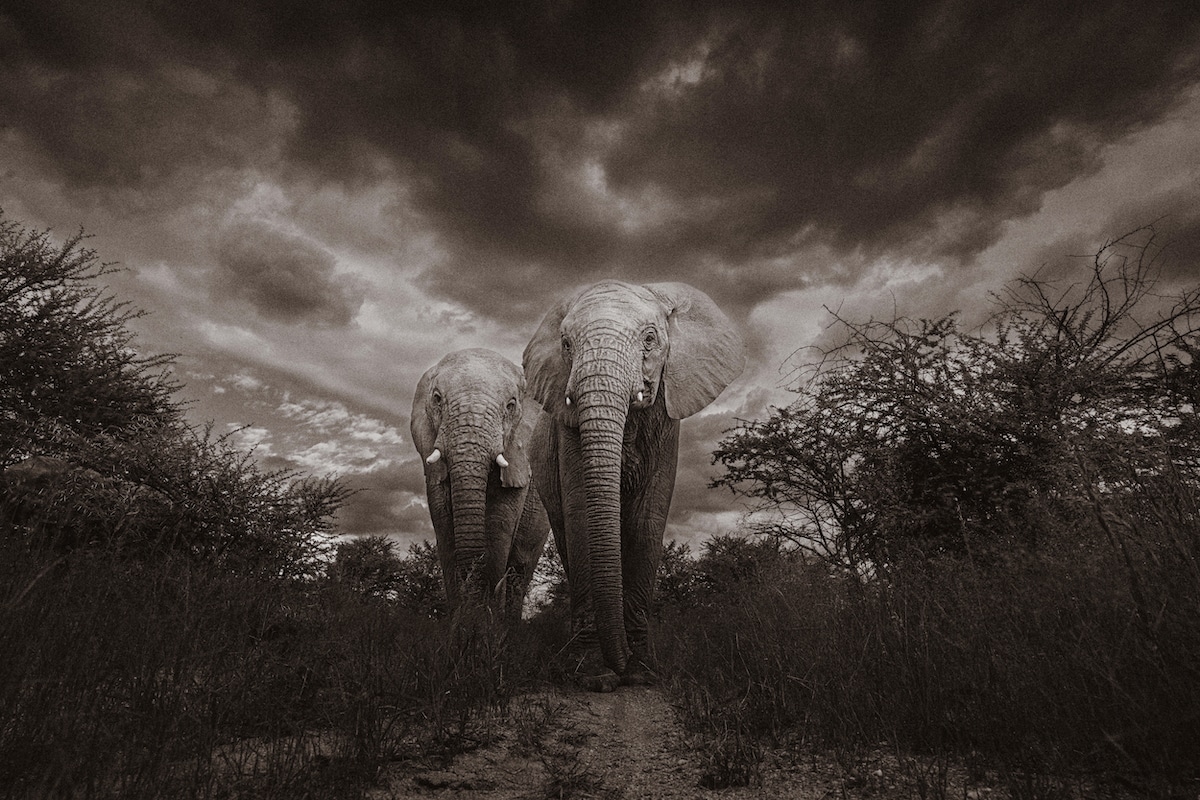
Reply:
x=434 y=456
x=501 y=460
x=641 y=397
x=568 y=399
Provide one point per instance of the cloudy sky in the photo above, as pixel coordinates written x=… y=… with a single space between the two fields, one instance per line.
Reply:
x=316 y=201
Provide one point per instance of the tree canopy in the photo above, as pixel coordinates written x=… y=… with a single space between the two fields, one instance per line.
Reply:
x=916 y=434
x=114 y=460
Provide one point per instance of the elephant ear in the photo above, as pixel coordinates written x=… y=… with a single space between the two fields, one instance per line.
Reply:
x=545 y=372
x=424 y=434
x=706 y=351
x=516 y=445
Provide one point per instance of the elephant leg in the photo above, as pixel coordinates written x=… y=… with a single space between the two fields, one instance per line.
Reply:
x=546 y=485
x=574 y=536
x=442 y=516
x=588 y=668
x=505 y=508
x=528 y=543
x=560 y=488
x=643 y=524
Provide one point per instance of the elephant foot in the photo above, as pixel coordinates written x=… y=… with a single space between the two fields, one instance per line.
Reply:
x=638 y=672
x=606 y=681
x=639 y=677
x=588 y=670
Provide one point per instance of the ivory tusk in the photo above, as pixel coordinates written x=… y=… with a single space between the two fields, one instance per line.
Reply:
x=434 y=456
x=640 y=397
x=501 y=460
x=568 y=399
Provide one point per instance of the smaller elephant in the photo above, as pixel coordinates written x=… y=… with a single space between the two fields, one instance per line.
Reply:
x=471 y=424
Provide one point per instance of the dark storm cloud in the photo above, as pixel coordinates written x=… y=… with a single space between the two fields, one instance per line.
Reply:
x=1166 y=224
x=1169 y=224
x=870 y=125
x=284 y=276
x=737 y=135
x=1181 y=248
x=103 y=94
x=861 y=127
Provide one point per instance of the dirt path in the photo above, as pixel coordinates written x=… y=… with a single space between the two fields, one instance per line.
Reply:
x=574 y=744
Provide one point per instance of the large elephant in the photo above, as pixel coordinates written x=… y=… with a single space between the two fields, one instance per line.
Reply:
x=615 y=367
x=471 y=423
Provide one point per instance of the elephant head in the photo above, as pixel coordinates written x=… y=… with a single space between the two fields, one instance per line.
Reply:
x=611 y=351
x=470 y=427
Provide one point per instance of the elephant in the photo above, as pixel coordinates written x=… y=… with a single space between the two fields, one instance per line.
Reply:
x=615 y=367
x=471 y=423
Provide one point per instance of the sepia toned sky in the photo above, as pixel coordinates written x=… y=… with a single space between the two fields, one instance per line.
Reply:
x=316 y=201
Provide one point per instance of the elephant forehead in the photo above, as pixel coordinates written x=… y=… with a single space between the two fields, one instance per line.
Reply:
x=476 y=358
x=471 y=388
x=478 y=368
x=484 y=414
x=614 y=305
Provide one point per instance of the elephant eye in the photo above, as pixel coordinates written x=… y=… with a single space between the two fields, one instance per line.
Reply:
x=566 y=347
x=437 y=397
x=650 y=339
x=511 y=406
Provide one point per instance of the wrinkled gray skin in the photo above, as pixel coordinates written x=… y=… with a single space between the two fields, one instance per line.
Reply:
x=471 y=408
x=615 y=367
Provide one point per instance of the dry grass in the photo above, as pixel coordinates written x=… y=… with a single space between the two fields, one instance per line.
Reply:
x=143 y=678
x=1073 y=662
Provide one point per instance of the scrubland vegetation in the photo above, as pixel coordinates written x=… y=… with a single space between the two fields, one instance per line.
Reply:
x=979 y=547
x=175 y=622
x=970 y=548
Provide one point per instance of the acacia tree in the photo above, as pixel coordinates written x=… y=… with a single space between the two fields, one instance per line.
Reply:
x=913 y=433
x=68 y=371
x=420 y=581
x=126 y=467
x=368 y=565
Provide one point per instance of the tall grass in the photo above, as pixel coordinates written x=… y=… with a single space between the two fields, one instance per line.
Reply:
x=1080 y=659
x=168 y=627
x=160 y=677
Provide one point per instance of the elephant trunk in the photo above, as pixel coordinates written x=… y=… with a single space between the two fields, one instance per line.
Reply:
x=468 y=490
x=603 y=401
x=470 y=462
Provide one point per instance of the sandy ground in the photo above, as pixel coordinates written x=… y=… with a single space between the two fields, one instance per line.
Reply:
x=627 y=744
x=568 y=743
